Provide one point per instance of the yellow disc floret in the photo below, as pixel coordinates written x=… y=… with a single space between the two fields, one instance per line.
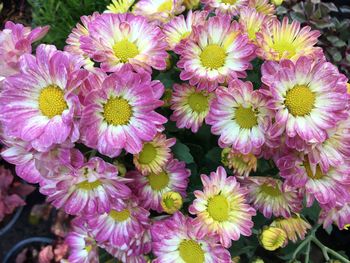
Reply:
x=191 y=252
x=246 y=117
x=270 y=190
x=117 y=111
x=88 y=186
x=51 y=101
x=229 y=2
x=300 y=100
x=158 y=181
x=198 y=102
x=148 y=153
x=120 y=216
x=166 y=6
x=124 y=50
x=218 y=208
x=213 y=56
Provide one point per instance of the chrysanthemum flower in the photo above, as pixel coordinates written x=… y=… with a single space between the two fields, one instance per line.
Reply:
x=326 y=188
x=281 y=40
x=272 y=238
x=171 y=202
x=150 y=188
x=221 y=208
x=230 y=7
x=241 y=164
x=262 y=7
x=82 y=245
x=159 y=10
x=154 y=154
x=190 y=106
x=338 y=215
x=90 y=189
x=179 y=28
x=116 y=40
x=294 y=227
x=240 y=116
x=307 y=96
x=120 y=114
x=120 y=225
x=216 y=53
x=38 y=104
x=269 y=197
x=119 y=6
x=175 y=240
x=16 y=40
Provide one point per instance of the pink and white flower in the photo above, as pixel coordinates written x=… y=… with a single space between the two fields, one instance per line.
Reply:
x=230 y=7
x=338 y=214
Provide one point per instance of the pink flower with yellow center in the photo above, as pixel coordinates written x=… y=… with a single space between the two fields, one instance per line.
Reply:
x=269 y=197
x=307 y=97
x=230 y=7
x=159 y=10
x=175 y=240
x=215 y=53
x=116 y=40
x=240 y=116
x=121 y=113
x=154 y=154
x=241 y=164
x=150 y=188
x=262 y=7
x=338 y=214
x=39 y=105
x=281 y=40
x=222 y=207
x=190 y=105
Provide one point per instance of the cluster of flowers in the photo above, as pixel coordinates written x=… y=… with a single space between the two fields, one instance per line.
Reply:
x=99 y=94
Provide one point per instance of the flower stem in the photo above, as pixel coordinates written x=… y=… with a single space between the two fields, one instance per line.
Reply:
x=307 y=253
x=325 y=250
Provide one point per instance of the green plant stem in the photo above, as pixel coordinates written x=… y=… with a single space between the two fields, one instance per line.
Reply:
x=326 y=250
x=301 y=246
x=307 y=253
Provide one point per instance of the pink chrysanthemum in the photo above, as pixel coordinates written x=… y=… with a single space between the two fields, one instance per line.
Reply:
x=326 y=188
x=16 y=40
x=222 y=207
x=38 y=104
x=240 y=116
x=120 y=225
x=338 y=215
x=150 y=188
x=190 y=106
x=281 y=40
x=262 y=7
x=159 y=10
x=116 y=40
x=120 y=114
x=82 y=245
x=215 y=53
x=269 y=197
x=179 y=28
x=175 y=240
x=89 y=189
x=230 y=7
x=308 y=97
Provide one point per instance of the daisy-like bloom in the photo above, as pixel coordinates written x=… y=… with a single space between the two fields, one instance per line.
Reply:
x=171 y=202
x=179 y=28
x=230 y=7
x=176 y=240
x=294 y=227
x=269 y=197
x=272 y=238
x=159 y=10
x=281 y=40
x=307 y=96
x=16 y=40
x=190 y=106
x=120 y=225
x=191 y=4
x=240 y=116
x=241 y=164
x=119 y=6
x=89 y=189
x=338 y=215
x=120 y=114
x=154 y=154
x=216 y=52
x=116 y=40
x=150 y=188
x=262 y=7
x=38 y=104
x=82 y=245
x=222 y=207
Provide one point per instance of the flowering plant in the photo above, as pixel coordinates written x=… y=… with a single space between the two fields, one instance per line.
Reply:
x=128 y=130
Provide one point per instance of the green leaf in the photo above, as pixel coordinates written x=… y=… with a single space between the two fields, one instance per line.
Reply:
x=214 y=155
x=182 y=152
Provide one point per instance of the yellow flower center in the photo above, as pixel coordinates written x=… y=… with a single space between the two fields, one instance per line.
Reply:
x=300 y=100
x=282 y=46
x=185 y=35
x=270 y=190
x=246 y=117
x=318 y=174
x=191 y=252
x=88 y=248
x=120 y=216
x=229 y=2
x=218 y=208
x=169 y=202
x=124 y=50
x=252 y=29
x=198 y=102
x=158 y=181
x=213 y=56
x=88 y=186
x=148 y=153
x=51 y=101
x=117 y=111
x=166 y=6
